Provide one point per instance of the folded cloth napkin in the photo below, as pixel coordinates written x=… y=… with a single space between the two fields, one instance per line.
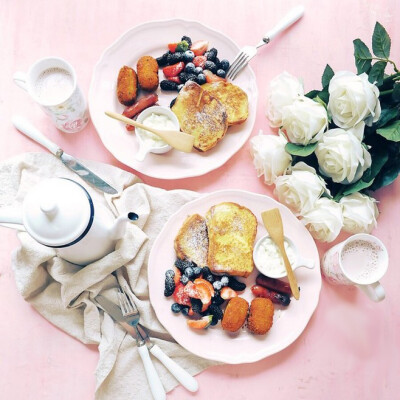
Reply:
x=64 y=293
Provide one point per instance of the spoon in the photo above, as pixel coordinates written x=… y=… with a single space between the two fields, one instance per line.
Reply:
x=178 y=140
x=273 y=223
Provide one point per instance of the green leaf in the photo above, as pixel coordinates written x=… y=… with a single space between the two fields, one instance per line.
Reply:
x=376 y=72
x=362 y=55
x=396 y=92
x=312 y=94
x=357 y=186
x=391 y=132
x=301 y=151
x=387 y=115
x=381 y=42
x=386 y=177
x=379 y=159
x=327 y=76
x=324 y=95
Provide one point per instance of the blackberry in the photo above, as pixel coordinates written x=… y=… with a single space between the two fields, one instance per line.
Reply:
x=210 y=66
x=211 y=54
x=176 y=308
x=173 y=102
x=197 y=305
x=188 y=40
x=191 y=77
x=214 y=321
x=217 y=285
x=189 y=68
x=183 y=77
x=184 y=279
x=221 y=73
x=179 y=55
x=214 y=310
x=170 y=273
x=163 y=60
x=197 y=271
x=201 y=79
x=224 y=280
x=216 y=61
x=185 y=310
x=169 y=286
x=188 y=56
x=217 y=300
x=210 y=278
x=224 y=64
x=168 y=85
x=189 y=272
x=173 y=58
x=180 y=264
x=236 y=285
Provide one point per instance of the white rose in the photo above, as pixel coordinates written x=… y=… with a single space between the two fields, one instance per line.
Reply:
x=269 y=156
x=300 y=189
x=352 y=99
x=283 y=90
x=359 y=213
x=341 y=156
x=304 y=121
x=325 y=220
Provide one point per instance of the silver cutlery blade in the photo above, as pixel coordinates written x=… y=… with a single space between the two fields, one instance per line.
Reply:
x=86 y=174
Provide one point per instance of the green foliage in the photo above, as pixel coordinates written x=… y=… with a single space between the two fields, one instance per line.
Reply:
x=381 y=42
x=301 y=151
x=362 y=56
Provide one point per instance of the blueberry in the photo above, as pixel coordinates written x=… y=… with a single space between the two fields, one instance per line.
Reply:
x=197 y=271
x=183 y=77
x=212 y=54
x=209 y=278
x=221 y=73
x=170 y=273
x=191 y=77
x=168 y=85
x=180 y=264
x=188 y=40
x=201 y=79
x=189 y=272
x=217 y=285
x=216 y=61
x=184 y=279
x=189 y=68
x=176 y=308
x=224 y=280
x=188 y=56
x=185 y=310
x=179 y=87
x=198 y=70
x=224 y=64
x=210 y=66
x=206 y=271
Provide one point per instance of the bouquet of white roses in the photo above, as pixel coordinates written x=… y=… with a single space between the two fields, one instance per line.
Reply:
x=335 y=145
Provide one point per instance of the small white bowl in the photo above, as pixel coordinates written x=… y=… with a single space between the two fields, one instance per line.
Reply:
x=144 y=149
x=297 y=262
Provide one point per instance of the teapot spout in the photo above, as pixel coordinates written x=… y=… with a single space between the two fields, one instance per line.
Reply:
x=118 y=230
x=11 y=217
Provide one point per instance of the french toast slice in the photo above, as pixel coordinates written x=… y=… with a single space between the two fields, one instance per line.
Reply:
x=233 y=98
x=200 y=114
x=232 y=230
x=191 y=243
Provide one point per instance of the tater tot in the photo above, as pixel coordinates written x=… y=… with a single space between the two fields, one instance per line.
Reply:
x=127 y=86
x=260 y=316
x=147 y=70
x=235 y=314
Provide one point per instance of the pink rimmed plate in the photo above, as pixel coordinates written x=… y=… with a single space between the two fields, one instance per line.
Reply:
x=214 y=343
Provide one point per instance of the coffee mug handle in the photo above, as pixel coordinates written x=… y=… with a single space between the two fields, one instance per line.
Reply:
x=19 y=79
x=374 y=291
x=305 y=262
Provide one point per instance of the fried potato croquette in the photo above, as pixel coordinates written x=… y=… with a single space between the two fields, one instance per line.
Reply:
x=260 y=316
x=235 y=314
x=147 y=71
x=127 y=86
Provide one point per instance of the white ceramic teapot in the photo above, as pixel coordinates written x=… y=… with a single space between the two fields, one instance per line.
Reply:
x=60 y=213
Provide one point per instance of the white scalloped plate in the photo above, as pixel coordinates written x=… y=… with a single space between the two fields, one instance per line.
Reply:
x=214 y=343
x=152 y=39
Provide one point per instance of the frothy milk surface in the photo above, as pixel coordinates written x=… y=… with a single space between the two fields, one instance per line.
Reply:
x=362 y=261
x=54 y=86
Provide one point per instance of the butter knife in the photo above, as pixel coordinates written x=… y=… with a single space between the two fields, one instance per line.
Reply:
x=115 y=312
x=91 y=178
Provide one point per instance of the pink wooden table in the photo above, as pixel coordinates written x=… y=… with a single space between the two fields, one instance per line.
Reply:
x=350 y=349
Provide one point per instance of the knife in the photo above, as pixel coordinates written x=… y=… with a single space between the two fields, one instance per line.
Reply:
x=187 y=380
x=115 y=312
x=29 y=130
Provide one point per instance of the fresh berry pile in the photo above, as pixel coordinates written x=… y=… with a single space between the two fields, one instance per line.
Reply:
x=187 y=61
x=198 y=293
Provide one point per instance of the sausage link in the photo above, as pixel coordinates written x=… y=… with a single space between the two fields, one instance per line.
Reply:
x=140 y=105
x=273 y=284
x=275 y=297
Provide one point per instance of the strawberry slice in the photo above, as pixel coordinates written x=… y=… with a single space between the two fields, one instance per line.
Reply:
x=204 y=295
x=201 y=281
x=199 y=61
x=191 y=290
x=210 y=77
x=180 y=296
x=174 y=79
x=200 y=323
x=177 y=276
x=173 y=70
x=172 y=47
x=227 y=293
x=199 y=47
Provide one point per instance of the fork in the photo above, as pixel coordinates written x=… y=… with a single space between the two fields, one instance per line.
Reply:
x=248 y=52
x=132 y=316
x=130 y=311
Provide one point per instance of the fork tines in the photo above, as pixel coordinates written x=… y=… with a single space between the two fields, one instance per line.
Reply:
x=126 y=306
x=238 y=63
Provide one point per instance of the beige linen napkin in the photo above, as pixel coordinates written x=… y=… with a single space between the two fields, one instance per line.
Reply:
x=63 y=292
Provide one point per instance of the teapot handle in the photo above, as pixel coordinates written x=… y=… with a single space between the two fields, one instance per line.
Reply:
x=11 y=218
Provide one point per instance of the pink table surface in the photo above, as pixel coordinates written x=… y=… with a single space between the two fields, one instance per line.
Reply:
x=350 y=349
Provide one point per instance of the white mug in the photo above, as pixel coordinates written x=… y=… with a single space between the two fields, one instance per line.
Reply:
x=361 y=260
x=52 y=83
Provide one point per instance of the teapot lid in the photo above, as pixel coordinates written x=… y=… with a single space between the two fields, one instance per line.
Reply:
x=58 y=212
